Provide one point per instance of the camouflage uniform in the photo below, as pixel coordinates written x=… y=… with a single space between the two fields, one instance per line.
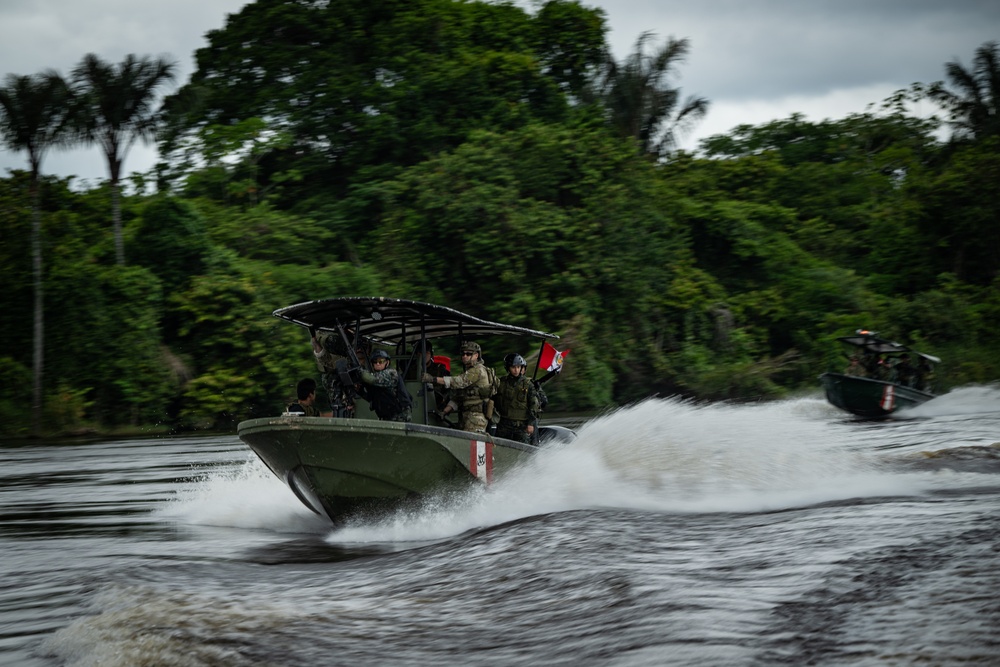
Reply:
x=385 y=380
x=518 y=406
x=307 y=410
x=470 y=390
x=855 y=368
x=329 y=356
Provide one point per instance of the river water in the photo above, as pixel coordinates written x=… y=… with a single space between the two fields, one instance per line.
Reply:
x=669 y=533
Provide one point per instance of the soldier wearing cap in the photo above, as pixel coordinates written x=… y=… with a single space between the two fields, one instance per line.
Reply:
x=470 y=390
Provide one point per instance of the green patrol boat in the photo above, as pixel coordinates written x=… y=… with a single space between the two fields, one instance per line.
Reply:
x=880 y=386
x=360 y=466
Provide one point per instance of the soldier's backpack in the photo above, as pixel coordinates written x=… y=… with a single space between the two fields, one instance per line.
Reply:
x=492 y=390
x=494 y=383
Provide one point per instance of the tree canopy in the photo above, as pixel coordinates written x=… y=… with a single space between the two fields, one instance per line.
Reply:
x=114 y=106
x=460 y=152
x=974 y=105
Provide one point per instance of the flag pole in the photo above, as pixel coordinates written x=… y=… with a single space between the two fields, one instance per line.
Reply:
x=538 y=361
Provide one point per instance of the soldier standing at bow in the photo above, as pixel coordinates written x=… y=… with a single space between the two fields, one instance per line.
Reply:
x=516 y=402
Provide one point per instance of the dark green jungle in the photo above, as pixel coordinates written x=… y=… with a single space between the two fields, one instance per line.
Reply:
x=498 y=161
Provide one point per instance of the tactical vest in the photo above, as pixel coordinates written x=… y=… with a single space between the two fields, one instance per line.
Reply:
x=471 y=398
x=389 y=402
x=513 y=399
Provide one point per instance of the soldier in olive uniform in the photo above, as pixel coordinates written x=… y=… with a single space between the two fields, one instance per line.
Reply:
x=470 y=390
x=516 y=402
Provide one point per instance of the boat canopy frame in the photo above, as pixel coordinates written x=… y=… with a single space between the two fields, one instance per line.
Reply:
x=870 y=341
x=396 y=322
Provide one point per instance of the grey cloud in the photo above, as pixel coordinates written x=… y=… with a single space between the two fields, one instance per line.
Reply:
x=742 y=51
x=772 y=48
x=36 y=35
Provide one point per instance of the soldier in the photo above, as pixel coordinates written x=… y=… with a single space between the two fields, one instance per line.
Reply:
x=516 y=402
x=470 y=391
x=903 y=370
x=386 y=392
x=305 y=392
x=334 y=366
x=855 y=368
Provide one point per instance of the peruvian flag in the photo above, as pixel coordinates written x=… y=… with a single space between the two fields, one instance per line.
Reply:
x=551 y=358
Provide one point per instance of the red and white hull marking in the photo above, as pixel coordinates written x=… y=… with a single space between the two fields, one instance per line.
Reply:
x=888 y=397
x=481 y=460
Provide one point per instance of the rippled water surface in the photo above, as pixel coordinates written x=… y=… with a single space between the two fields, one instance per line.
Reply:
x=667 y=534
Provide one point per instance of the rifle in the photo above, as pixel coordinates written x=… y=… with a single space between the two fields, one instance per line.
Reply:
x=545 y=378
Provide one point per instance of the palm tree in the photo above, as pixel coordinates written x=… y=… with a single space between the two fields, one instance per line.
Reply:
x=33 y=113
x=116 y=108
x=975 y=108
x=640 y=102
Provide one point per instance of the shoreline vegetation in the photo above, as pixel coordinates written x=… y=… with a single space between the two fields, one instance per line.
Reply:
x=509 y=168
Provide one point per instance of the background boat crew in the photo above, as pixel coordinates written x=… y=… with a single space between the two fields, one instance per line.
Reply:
x=855 y=368
x=903 y=370
x=305 y=404
x=385 y=390
x=470 y=391
x=870 y=362
x=516 y=403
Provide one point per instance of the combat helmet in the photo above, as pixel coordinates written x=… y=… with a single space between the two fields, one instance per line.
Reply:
x=514 y=359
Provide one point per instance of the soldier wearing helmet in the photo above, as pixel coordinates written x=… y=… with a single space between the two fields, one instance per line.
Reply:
x=516 y=401
x=471 y=391
x=386 y=394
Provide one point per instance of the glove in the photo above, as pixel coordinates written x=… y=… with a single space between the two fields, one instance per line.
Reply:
x=428 y=378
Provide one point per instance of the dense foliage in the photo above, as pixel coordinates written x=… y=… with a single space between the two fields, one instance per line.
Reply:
x=471 y=154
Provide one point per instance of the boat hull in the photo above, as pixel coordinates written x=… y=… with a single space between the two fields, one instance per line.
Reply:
x=870 y=398
x=343 y=468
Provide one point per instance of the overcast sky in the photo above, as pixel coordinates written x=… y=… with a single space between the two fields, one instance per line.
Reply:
x=754 y=60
